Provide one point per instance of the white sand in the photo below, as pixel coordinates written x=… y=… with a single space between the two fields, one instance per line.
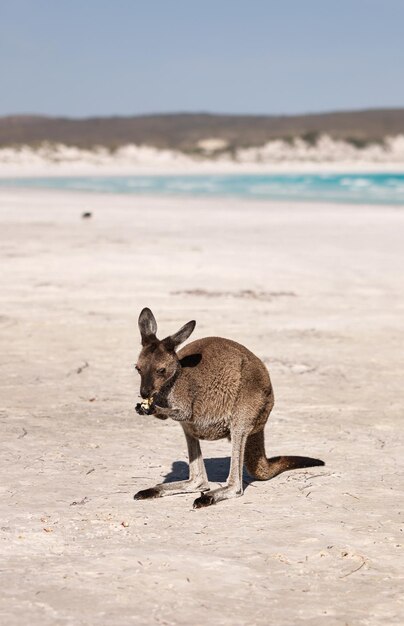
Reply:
x=322 y=546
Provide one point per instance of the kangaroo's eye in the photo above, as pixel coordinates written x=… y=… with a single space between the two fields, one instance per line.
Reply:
x=161 y=370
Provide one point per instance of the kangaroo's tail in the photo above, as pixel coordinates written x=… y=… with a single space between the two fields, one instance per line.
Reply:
x=261 y=468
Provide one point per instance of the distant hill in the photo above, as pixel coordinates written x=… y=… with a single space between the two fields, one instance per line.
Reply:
x=183 y=131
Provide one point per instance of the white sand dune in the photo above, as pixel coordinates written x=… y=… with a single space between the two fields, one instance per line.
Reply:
x=316 y=291
x=276 y=156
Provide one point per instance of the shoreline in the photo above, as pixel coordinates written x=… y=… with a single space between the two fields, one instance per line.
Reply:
x=208 y=202
x=342 y=188
x=195 y=169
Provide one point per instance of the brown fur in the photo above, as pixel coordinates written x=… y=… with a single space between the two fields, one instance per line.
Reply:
x=215 y=388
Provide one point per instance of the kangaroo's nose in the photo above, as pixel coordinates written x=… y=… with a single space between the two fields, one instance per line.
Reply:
x=145 y=393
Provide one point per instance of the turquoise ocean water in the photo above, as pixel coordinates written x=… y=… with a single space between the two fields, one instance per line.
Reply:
x=380 y=188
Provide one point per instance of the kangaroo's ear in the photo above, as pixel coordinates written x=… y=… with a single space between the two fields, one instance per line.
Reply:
x=180 y=336
x=147 y=326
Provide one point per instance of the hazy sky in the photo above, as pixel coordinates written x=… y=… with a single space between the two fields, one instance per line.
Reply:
x=105 y=57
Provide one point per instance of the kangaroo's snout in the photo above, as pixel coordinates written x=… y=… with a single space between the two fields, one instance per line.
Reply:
x=147 y=384
x=146 y=392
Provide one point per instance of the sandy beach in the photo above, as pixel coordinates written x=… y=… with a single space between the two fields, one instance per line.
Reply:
x=314 y=290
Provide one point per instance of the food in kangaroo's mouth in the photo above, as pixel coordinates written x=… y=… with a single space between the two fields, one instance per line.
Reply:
x=146 y=404
x=145 y=407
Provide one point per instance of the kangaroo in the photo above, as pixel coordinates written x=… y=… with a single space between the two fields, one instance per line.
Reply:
x=215 y=388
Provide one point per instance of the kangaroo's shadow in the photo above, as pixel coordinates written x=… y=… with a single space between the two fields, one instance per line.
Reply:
x=216 y=468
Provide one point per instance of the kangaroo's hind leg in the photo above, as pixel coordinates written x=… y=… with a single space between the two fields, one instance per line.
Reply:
x=253 y=408
x=197 y=481
x=234 y=485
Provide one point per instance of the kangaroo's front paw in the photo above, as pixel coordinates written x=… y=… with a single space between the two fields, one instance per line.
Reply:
x=145 y=494
x=159 y=412
x=206 y=499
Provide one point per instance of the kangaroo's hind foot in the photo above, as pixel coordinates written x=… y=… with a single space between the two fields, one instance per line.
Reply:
x=171 y=489
x=216 y=495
